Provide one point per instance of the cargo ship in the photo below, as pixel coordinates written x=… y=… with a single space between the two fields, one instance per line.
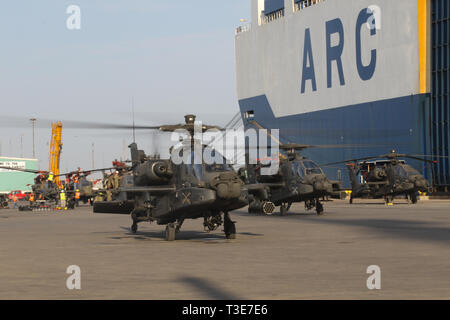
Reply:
x=371 y=75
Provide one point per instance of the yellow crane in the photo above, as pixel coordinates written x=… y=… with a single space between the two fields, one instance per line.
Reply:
x=55 y=150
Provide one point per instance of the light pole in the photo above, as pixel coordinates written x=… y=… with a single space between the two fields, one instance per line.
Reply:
x=92 y=155
x=33 y=122
x=21 y=145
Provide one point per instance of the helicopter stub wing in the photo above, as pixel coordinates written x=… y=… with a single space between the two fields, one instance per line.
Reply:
x=260 y=186
x=152 y=189
x=377 y=183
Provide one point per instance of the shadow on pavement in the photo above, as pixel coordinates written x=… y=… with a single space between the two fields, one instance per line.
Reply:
x=423 y=231
x=210 y=289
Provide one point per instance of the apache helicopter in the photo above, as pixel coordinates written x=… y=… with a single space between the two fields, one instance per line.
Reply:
x=42 y=187
x=169 y=193
x=3 y=201
x=47 y=190
x=298 y=180
x=385 y=178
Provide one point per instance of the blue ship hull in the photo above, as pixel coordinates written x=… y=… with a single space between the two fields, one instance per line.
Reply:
x=376 y=128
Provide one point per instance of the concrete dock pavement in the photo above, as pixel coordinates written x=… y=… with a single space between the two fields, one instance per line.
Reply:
x=299 y=256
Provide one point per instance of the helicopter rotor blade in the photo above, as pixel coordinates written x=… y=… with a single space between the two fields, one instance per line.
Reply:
x=19 y=122
x=23 y=170
x=386 y=156
x=347 y=161
x=86 y=172
x=430 y=155
x=417 y=158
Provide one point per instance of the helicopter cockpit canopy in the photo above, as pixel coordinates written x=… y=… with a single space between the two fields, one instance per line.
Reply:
x=305 y=167
x=219 y=166
x=406 y=171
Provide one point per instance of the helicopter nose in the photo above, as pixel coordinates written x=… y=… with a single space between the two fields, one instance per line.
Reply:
x=322 y=185
x=421 y=183
x=229 y=190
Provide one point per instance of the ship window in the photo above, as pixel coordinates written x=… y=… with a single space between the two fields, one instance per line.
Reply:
x=250 y=114
x=302 y=4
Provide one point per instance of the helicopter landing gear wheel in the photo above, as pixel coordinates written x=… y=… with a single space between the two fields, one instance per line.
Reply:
x=319 y=207
x=170 y=232
x=134 y=227
x=229 y=226
x=283 y=209
x=413 y=197
x=178 y=226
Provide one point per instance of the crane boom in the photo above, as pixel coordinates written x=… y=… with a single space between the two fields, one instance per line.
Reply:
x=55 y=149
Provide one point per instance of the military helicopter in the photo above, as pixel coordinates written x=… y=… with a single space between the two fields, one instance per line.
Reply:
x=298 y=180
x=3 y=201
x=169 y=193
x=385 y=178
x=45 y=189
x=42 y=187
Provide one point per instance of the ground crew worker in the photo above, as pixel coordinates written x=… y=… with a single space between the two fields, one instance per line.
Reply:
x=62 y=197
x=75 y=182
x=99 y=197
x=50 y=180
x=116 y=180
x=14 y=199
x=109 y=186
x=77 y=197
x=31 y=199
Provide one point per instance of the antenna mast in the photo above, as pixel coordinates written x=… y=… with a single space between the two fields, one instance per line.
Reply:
x=132 y=111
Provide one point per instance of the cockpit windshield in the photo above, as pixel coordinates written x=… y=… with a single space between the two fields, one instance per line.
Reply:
x=297 y=169
x=219 y=165
x=311 y=167
x=85 y=183
x=410 y=171
x=400 y=171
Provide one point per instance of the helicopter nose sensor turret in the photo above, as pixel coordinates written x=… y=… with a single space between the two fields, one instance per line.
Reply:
x=189 y=118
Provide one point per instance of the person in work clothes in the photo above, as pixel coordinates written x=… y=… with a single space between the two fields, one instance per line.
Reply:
x=62 y=197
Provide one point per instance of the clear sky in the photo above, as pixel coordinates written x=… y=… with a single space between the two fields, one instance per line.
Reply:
x=174 y=57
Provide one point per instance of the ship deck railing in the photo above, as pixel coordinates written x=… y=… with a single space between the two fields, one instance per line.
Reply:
x=266 y=18
x=298 y=5
x=305 y=4
x=243 y=28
